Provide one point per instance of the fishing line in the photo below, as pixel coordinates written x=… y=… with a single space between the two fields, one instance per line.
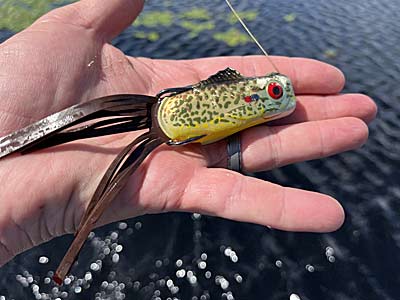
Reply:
x=250 y=34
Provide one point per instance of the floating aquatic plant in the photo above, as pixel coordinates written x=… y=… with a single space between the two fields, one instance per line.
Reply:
x=196 y=28
x=16 y=15
x=154 y=19
x=152 y=36
x=233 y=37
x=196 y=14
x=248 y=15
x=290 y=17
x=331 y=53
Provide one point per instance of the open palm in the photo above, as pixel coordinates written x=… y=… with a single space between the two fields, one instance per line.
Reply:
x=64 y=59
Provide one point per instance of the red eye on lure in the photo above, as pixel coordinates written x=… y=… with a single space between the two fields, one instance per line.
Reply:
x=275 y=90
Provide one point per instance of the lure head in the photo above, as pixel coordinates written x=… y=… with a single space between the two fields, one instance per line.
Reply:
x=273 y=97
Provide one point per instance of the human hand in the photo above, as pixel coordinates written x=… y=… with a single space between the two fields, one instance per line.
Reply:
x=64 y=59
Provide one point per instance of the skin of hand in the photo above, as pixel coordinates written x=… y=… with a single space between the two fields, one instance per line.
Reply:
x=64 y=58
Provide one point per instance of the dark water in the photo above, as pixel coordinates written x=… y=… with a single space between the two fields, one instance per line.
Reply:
x=211 y=258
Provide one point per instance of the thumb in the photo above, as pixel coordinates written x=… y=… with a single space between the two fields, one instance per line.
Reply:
x=106 y=17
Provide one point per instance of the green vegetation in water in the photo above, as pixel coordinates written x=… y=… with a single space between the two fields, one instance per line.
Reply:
x=150 y=36
x=290 y=17
x=196 y=14
x=16 y=15
x=196 y=21
x=247 y=15
x=196 y=28
x=154 y=19
x=331 y=53
x=232 y=37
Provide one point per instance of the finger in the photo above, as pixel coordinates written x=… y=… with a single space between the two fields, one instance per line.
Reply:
x=268 y=147
x=106 y=18
x=308 y=76
x=312 y=108
x=233 y=196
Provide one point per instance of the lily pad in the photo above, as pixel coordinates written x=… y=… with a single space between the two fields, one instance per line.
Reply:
x=232 y=37
x=154 y=19
x=248 y=15
x=151 y=36
x=196 y=14
x=290 y=17
x=331 y=53
x=196 y=28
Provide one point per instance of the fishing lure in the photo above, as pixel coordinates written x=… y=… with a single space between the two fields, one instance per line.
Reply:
x=203 y=113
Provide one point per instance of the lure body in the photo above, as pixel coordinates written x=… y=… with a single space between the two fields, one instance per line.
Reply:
x=224 y=104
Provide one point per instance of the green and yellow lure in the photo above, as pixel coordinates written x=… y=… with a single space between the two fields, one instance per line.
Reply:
x=224 y=104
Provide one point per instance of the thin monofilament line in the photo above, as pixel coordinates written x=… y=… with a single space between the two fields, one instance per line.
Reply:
x=250 y=34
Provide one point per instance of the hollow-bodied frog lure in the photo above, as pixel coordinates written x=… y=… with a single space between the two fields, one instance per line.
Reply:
x=203 y=113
